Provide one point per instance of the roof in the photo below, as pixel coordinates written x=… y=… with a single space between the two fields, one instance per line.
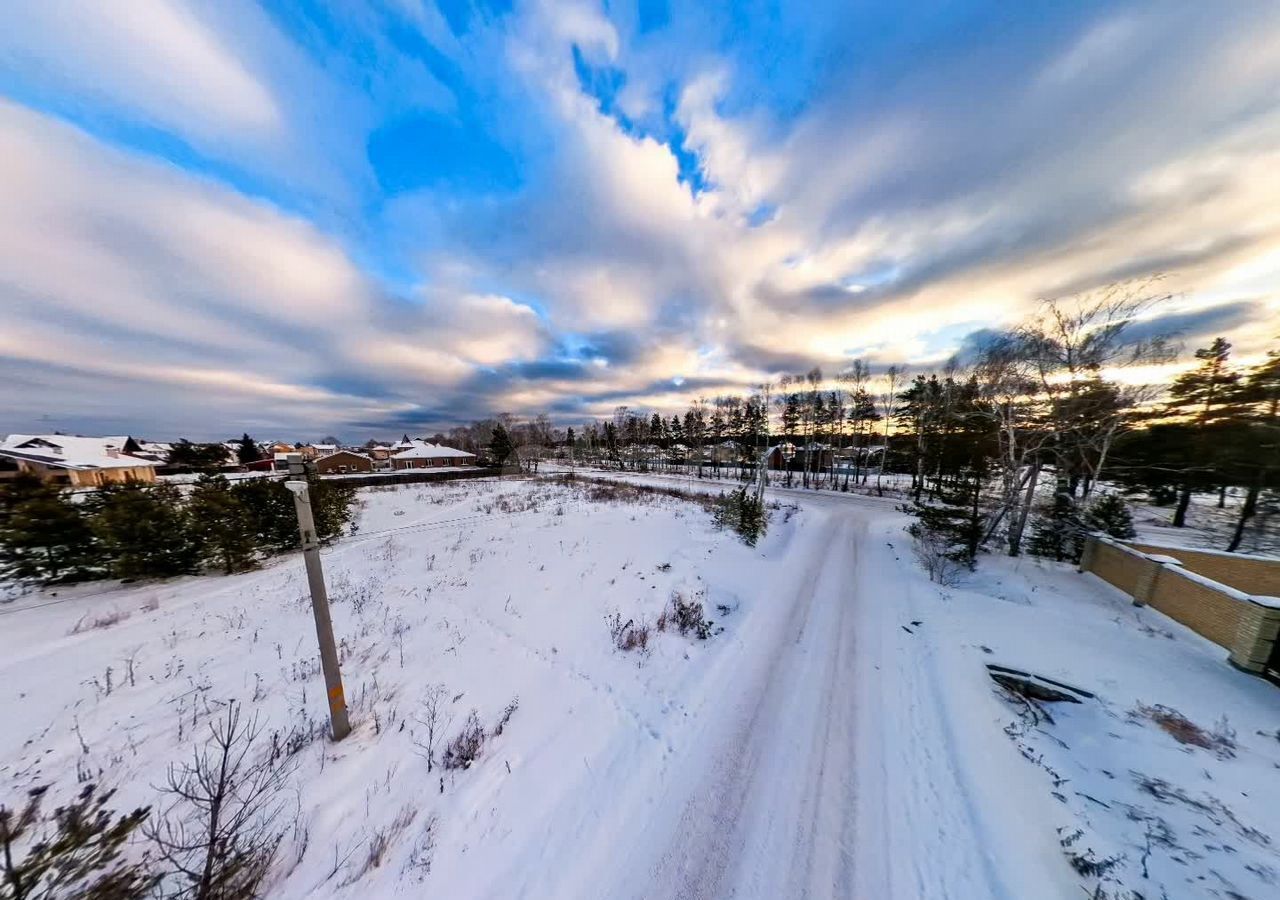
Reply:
x=343 y=453
x=70 y=451
x=425 y=450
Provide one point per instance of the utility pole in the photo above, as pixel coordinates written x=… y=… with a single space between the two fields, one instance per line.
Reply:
x=297 y=484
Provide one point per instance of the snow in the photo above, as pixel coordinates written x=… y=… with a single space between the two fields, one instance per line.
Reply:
x=72 y=451
x=839 y=737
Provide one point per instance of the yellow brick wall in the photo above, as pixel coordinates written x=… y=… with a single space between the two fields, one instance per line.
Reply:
x=1202 y=609
x=1114 y=566
x=1253 y=576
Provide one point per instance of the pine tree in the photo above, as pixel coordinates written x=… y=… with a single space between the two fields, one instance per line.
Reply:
x=143 y=531
x=222 y=525
x=1058 y=533
x=1110 y=515
x=500 y=445
x=77 y=855
x=44 y=534
x=1206 y=393
x=249 y=451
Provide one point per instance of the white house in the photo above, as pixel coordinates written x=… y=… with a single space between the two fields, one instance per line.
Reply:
x=425 y=455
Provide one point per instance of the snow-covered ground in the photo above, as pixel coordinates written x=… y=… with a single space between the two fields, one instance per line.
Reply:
x=839 y=738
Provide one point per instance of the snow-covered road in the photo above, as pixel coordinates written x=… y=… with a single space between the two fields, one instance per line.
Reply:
x=820 y=761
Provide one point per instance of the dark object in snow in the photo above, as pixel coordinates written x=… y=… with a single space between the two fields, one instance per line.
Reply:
x=907 y=630
x=916 y=623
x=1036 y=687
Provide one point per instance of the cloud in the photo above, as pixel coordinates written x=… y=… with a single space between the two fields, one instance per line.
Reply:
x=386 y=214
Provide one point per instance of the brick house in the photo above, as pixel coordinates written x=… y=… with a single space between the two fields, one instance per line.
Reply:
x=424 y=455
x=343 y=462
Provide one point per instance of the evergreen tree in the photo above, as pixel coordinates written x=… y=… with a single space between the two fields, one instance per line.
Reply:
x=1058 y=533
x=44 y=534
x=143 y=531
x=500 y=445
x=1110 y=515
x=1205 y=393
x=222 y=525
x=77 y=855
x=270 y=514
x=196 y=457
x=249 y=451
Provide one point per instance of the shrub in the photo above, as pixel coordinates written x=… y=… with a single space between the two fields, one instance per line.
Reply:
x=465 y=748
x=628 y=635
x=688 y=616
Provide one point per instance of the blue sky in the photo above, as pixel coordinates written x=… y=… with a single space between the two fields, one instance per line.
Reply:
x=300 y=218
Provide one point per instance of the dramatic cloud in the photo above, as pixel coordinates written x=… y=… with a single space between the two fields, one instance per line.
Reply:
x=402 y=216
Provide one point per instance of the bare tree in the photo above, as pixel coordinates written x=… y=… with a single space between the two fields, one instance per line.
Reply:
x=217 y=835
x=432 y=718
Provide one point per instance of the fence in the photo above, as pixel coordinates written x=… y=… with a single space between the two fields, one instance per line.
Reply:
x=1226 y=598
x=418 y=476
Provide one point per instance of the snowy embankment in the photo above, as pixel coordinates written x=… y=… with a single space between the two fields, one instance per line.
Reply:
x=498 y=591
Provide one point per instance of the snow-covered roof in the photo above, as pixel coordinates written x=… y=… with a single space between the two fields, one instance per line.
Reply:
x=324 y=448
x=67 y=451
x=424 y=450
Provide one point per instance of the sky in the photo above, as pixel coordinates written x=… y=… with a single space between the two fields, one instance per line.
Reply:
x=308 y=218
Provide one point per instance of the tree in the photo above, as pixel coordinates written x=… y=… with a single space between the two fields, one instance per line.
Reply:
x=77 y=854
x=1059 y=532
x=197 y=457
x=143 y=530
x=1203 y=393
x=500 y=444
x=222 y=525
x=44 y=534
x=218 y=834
x=249 y=451
x=1110 y=515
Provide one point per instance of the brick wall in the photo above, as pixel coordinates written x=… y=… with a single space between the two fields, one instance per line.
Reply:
x=1116 y=566
x=1226 y=598
x=1250 y=574
x=1206 y=611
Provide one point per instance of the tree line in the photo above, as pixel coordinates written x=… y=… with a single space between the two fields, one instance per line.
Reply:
x=133 y=530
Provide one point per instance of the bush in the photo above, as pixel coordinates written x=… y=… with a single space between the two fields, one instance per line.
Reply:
x=688 y=616
x=465 y=748
x=628 y=635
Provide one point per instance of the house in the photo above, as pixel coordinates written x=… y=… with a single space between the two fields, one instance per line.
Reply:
x=76 y=460
x=424 y=455
x=343 y=462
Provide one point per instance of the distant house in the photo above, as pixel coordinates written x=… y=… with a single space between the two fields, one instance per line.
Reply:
x=76 y=460
x=342 y=462
x=424 y=455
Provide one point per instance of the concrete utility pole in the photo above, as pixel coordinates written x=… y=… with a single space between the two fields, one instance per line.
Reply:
x=319 y=598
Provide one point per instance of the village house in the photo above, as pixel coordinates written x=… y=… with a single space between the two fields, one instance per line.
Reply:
x=343 y=462
x=425 y=455
x=75 y=460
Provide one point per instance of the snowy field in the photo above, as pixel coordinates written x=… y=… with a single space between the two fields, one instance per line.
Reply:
x=498 y=591
x=838 y=736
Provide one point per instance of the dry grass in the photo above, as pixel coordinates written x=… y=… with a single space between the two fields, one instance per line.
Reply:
x=90 y=622
x=1221 y=740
